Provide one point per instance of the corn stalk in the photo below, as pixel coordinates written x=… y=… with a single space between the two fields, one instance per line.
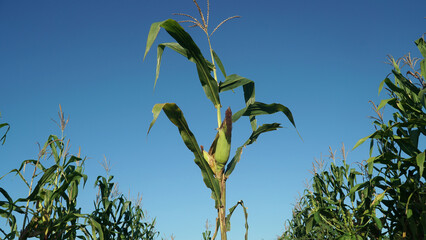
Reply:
x=214 y=165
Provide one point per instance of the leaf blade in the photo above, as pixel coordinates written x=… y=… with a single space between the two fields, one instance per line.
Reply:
x=253 y=137
x=175 y=115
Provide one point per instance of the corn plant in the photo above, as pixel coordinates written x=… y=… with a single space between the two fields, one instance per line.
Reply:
x=389 y=202
x=336 y=207
x=117 y=217
x=50 y=209
x=400 y=162
x=214 y=165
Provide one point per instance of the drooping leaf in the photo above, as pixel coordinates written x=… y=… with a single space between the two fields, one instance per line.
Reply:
x=175 y=115
x=208 y=83
x=233 y=81
x=177 y=48
x=382 y=83
x=3 y=138
x=253 y=137
x=228 y=218
x=152 y=35
x=259 y=108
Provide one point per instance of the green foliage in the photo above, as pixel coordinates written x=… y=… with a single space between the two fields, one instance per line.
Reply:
x=7 y=126
x=214 y=165
x=50 y=210
x=336 y=207
x=117 y=216
x=389 y=202
x=401 y=155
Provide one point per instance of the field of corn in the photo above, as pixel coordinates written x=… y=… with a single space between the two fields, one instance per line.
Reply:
x=383 y=197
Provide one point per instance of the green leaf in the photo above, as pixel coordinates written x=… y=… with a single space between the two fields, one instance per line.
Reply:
x=423 y=68
x=378 y=222
x=421 y=45
x=406 y=83
x=231 y=211
x=259 y=108
x=152 y=35
x=409 y=213
x=377 y=200
x=422 y=96
x=208 y=83
x=381 y=86
x=384 y=102
x=3 y=138
x=96 y=226
x=175 y=115
x=420 y=160
x=219 y=63
x=253 y=137
x=309 y=224
x=47 y=176
x=357 y=187
x=177 y=48
x=233 y=81
x=362 y=140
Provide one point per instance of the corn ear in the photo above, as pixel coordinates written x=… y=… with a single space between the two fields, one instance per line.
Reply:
x=223 y=144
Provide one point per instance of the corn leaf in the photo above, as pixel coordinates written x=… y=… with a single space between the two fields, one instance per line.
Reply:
x=422 y=96
x=259 y=108
x=175 y=115
x=421 y=45
x=208 y=83
x=231 y=211
x=253 y=137
x=219 y=63
x=47 y=176
x=233 y=81
x=177 y=48
x=362 y=140
x=420 y=160
x=3 y=138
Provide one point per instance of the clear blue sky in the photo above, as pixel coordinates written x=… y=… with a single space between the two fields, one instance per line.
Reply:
x=322 y=59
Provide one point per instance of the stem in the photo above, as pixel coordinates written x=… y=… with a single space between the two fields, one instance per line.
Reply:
x=222 y=207
x=211 y=54
x=219 y=117
x=221 y=176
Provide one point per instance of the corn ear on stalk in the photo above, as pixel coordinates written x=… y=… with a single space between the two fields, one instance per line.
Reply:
x=219 y=151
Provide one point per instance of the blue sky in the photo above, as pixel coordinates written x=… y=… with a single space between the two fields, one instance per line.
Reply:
x=322 y=59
